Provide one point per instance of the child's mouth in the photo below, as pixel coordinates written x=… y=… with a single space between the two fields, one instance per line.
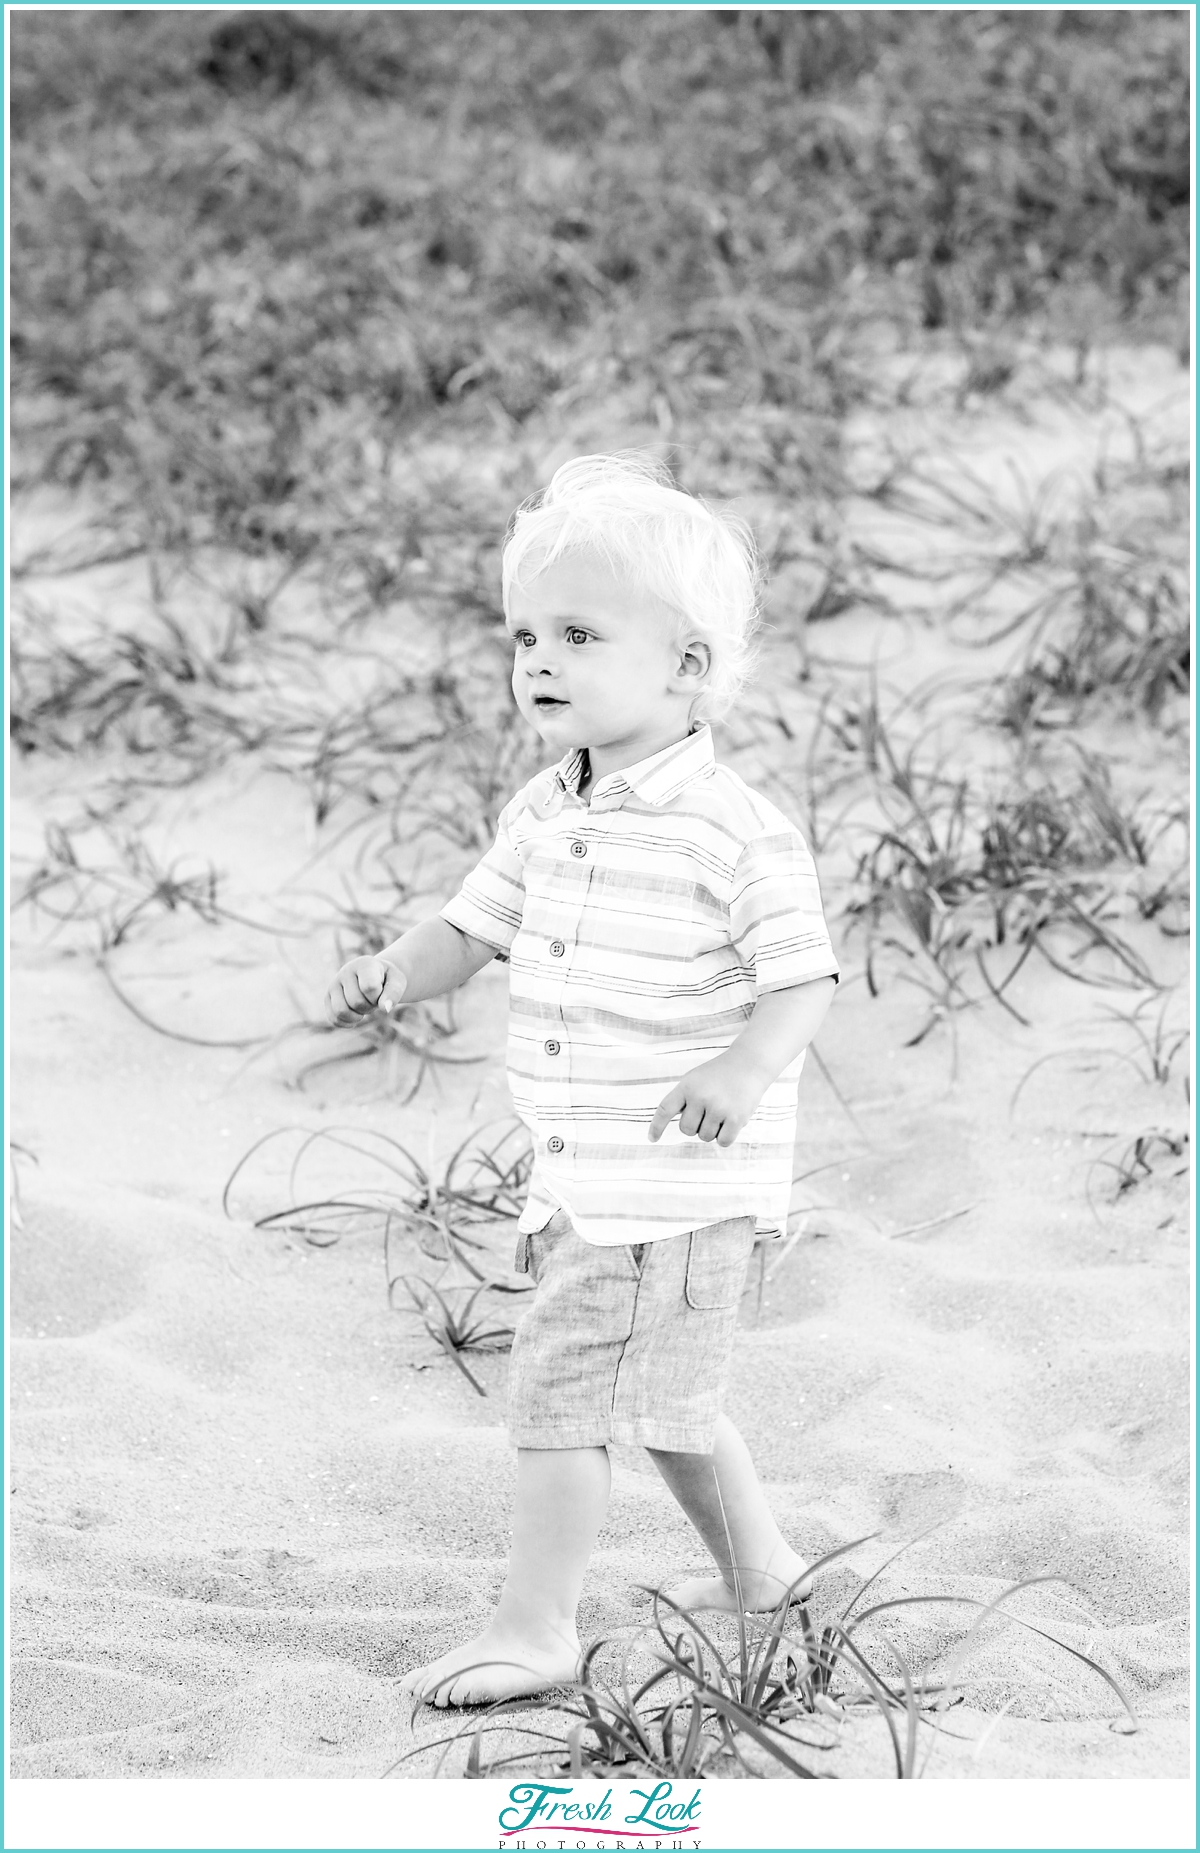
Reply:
x=546 y=704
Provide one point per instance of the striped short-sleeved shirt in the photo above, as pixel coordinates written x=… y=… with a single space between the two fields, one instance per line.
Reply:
x=642 y=924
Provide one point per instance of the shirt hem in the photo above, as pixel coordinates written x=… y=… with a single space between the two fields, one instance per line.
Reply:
x=532 y=1221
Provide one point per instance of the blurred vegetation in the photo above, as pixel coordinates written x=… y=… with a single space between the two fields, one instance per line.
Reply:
x=255 y=252
x=302 y=301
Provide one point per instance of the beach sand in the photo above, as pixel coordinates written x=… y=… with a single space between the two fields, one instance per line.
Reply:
x=247 y=1495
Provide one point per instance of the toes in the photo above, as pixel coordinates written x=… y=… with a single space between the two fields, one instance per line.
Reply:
x=420 y=1684
x=441 y=1689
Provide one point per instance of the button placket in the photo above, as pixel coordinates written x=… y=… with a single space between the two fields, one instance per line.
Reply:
x=566 y=902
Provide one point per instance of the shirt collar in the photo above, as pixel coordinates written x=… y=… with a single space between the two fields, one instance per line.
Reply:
x=655 y=780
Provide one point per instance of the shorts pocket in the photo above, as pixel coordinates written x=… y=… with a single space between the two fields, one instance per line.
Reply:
x=532 y=1249
x=716 y=1265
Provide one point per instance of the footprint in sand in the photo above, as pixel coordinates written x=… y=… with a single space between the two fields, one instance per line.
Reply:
x=911 y=1502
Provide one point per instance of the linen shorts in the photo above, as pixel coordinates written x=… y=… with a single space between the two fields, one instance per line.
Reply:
x=624 y=1343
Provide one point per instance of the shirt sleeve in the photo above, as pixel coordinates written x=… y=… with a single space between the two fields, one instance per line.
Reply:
x=491 y=901
x=776 y=921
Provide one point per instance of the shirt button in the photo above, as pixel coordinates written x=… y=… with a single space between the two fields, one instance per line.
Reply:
x=553 y=1047
x=556 y=948
x=554 y=1145
x=579 y=849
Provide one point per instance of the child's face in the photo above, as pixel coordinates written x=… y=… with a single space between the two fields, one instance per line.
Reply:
x=598 y=664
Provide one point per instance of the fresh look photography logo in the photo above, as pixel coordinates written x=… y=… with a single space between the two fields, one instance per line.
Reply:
x=544 y=1814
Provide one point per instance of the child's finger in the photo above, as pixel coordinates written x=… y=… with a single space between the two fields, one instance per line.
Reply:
x=368 y=975
x=336 y=1007
x=353 y=996
x=690 y=1119
x=668 y=1107
x=392 y=990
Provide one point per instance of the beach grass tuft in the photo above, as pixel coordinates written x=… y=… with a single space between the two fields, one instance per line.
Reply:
x=683 y=1700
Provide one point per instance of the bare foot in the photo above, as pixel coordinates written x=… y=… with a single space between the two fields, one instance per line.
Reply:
x=496 y=1665
x=759 y=1591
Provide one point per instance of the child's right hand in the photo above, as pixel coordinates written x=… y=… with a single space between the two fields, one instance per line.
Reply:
x=361 y=985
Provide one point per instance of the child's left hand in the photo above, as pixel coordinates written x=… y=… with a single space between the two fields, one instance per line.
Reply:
x=713 y=1101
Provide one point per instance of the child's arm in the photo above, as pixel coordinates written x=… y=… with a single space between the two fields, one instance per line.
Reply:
x=427 y=960
x=715 y=1100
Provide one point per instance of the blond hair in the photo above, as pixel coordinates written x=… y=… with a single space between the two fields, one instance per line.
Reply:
x=699 y=561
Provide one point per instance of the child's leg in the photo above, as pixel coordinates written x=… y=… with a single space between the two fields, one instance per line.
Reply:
x=531 y=1641
x=720 y=1493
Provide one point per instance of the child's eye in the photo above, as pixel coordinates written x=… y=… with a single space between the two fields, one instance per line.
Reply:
x=575 y=635
x=523 y=639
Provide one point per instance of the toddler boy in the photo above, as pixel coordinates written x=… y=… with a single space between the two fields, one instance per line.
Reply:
x=670 y=964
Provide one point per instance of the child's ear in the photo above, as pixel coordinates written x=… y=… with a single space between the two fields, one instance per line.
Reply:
x=695 y=661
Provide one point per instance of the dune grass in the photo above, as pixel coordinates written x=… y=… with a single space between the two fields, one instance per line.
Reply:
x=969 y=875
x=450 y=1219
x=686 y=1701
x=481 y=1182
x=246 y=281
